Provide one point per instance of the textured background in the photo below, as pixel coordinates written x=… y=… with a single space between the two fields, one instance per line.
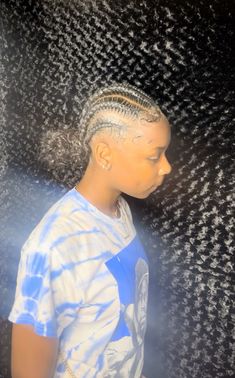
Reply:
x=54 y=53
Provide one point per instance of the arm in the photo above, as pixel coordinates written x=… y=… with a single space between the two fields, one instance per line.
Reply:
x=32 y=355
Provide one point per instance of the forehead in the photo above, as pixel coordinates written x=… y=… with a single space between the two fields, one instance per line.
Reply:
x=152 y=134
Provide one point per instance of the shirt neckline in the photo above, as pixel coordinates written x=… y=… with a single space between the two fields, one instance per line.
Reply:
x=99 y=212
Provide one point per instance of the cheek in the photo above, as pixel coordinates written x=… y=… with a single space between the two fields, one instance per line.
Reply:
x=138 y=174
x=146 y=170
x=132 y=171
x=122 y=175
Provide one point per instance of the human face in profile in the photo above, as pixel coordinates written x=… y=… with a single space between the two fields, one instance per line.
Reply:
x=139 y=165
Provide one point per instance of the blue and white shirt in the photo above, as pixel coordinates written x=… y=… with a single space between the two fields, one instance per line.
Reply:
x=83 y=277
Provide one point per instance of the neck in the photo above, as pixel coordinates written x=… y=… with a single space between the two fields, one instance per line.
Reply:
x=94 y=187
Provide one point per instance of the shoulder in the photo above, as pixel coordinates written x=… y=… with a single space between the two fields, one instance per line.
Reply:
x=64 y=223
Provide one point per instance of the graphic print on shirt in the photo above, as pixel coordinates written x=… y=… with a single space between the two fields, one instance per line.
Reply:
x=124 y=353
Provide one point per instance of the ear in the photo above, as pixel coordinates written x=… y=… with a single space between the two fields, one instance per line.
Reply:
x=102 y=153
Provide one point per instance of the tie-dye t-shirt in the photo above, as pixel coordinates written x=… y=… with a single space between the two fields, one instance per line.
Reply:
x=83 y=277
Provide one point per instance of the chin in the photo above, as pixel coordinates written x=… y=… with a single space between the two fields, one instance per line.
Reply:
x=140 y=196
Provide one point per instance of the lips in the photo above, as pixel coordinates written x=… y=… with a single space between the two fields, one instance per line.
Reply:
x=154 y=187
x=157 y=185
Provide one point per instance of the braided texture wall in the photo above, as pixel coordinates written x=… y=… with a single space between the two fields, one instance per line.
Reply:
x=54 y=54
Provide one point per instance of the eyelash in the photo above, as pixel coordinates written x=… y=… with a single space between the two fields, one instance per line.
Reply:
x=155 y=159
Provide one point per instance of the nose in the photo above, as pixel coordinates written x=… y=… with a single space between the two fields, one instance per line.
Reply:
x=165 y=167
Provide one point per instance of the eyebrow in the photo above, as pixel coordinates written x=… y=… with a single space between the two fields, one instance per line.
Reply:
x=158 y=147
x=162 y=148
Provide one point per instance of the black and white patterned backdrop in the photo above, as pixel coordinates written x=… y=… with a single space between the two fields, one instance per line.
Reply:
x=53 y=55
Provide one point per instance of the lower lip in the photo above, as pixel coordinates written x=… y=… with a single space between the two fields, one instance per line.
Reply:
x=154 y=187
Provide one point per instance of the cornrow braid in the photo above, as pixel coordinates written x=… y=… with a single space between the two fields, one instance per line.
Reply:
x=125 y=91
x=120 y=89
x=124 y=99
x=66 y=153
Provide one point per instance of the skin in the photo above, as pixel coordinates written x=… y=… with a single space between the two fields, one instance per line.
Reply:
x=32 y=355
x=136 y=166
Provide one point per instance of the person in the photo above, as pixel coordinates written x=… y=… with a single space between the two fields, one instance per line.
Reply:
x=82 y=286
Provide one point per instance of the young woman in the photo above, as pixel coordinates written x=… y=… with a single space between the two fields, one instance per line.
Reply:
x=82 y=286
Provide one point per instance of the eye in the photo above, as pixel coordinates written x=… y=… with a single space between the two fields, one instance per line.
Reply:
x=154 y=159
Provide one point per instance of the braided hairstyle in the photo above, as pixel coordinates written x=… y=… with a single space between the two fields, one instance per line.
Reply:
x=66 y=152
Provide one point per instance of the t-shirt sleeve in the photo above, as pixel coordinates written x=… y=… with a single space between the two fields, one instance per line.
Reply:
x=34 y=304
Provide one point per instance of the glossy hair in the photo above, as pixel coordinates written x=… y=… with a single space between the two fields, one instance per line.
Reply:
x=66 y=152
